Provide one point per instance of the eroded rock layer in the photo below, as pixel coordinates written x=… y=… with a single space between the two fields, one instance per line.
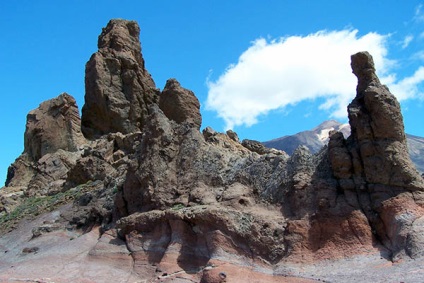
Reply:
x=374 y=163
x=186 y=203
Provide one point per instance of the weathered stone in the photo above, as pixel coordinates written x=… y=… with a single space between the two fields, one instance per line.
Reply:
x=209 y=134
x=118 y=88
x=184 y=201
x=339 y=156
x=54 y=125
x=180 y=104
x=52 y=141
x=254 y=146
x=377 y=130
x=20 y=172
x=233 y=135
x=374 y=161
x=51 y=173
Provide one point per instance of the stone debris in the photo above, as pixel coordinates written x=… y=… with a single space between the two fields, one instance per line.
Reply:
x=177 y=200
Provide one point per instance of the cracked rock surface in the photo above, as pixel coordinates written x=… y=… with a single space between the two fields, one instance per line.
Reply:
x=144 y=195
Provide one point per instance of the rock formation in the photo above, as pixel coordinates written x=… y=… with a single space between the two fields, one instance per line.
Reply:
x=118 y=88
x=374 y=161
x=54 y=125
x=52 y=140
x=318 y=137
x=180 y=104
x=204 y=207
x=378 y=132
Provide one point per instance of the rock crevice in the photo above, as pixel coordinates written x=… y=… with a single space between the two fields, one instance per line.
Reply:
x=183 y=199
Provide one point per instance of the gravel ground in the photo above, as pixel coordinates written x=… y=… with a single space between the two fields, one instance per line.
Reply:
x=363 y=268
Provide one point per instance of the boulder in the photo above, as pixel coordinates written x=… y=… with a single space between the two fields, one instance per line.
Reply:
x=180 y=104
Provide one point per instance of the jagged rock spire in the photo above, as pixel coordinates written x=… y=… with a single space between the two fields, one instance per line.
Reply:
x=362 y=65
x=378 y=131
x=373 y=167
x=118 y=87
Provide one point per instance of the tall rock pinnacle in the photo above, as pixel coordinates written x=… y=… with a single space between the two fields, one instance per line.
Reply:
x=373 y=167
x=378 y=131
x=167 y=198
x=117 y=85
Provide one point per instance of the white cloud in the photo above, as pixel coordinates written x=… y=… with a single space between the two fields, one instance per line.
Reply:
x=418 y=55
x=409 y=87
x=419 y=14
x=274 y=74
x=406 y=41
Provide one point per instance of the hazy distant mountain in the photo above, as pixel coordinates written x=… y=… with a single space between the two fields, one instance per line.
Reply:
x=416 y=151
x=316 y=138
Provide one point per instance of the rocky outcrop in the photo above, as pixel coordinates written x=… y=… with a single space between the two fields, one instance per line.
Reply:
x=54 y=125
x=318 y=137
x=378 y=132
x=180 y=104
x=118 y=88
x=52 y=140
x=373 y=164
x=185 y=204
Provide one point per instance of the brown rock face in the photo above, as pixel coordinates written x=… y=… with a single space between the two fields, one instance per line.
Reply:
x=173 y=204
x=180 y=104
x=377 y=130
x=373 y=167
x=118 y=87
x=54 y=125
x=52 y=140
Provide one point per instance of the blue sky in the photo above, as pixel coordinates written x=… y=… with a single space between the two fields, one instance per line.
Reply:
x=264 y=68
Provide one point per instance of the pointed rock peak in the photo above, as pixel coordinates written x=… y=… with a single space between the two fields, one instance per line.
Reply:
x=54 y=125
x=120 y=34
x=118 y=88
x=172 y=84
x=180 y=104
x=363 y=67
x=377 y=130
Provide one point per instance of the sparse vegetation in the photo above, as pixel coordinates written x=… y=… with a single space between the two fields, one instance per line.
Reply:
x=178 y=206
x=33 y=206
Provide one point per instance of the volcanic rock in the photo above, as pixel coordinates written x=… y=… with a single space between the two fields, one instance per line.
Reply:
x=157 y=200
x=374 y=162
x=377 y=130
x=180 y=104
x=233 y=135
x=54 y=125
x=254 y=146
x=52 y=140
x=118 y=88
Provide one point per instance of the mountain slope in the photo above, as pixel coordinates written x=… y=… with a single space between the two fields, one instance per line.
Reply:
x=416 y=151
x=313 y=139
x=316 y=138
x=141 y=193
